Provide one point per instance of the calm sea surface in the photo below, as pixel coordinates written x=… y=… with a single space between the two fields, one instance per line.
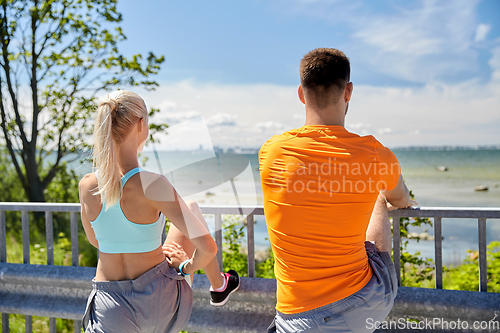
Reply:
x=203 y=177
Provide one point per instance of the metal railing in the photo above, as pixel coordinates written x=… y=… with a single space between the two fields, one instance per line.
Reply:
x=482 y=214
x=438 y=213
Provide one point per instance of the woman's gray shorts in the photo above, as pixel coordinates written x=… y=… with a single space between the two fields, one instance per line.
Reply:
x=157 y=301
x=354 y=313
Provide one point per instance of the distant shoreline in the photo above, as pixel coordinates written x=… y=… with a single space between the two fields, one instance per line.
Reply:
x=447 y=148
x=247 y=150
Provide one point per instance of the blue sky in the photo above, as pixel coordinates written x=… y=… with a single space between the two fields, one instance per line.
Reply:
x=424 y=72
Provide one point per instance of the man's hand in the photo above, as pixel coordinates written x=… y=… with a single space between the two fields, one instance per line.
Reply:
x=411 y=202
x=174 y=254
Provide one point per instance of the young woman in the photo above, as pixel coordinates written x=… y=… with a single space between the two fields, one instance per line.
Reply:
x=139 y=285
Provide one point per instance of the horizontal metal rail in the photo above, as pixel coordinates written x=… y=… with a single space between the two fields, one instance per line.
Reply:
x=62 y=291
x=437 y=213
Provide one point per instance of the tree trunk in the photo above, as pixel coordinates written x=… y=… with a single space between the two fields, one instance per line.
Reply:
x=36 y=188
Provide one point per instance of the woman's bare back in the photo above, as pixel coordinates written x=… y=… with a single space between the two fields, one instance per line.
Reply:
x=138 y=209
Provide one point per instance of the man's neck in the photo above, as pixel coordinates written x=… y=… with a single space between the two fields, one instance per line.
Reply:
x=328 y=117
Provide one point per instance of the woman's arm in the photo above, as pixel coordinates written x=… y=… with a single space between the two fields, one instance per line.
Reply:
x=85 y=196
x=170 y=203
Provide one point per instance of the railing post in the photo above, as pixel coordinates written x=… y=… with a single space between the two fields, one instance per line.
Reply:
x=483 y=278
x=396 y=240
x=3 y=258
x=438 y=252
x=251 y=246
x=52 y=325
x=218 y=239
x=25 y=229
x=49 y=237
x=74 y=238
x=5 y=323
x=49 y=240
x=28 y=324
x=77 y=326
x=3 y=238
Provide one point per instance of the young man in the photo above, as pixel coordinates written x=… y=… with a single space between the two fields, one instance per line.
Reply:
x=325 y=192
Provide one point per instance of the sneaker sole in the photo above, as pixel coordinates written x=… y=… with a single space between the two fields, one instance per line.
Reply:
x=227 y=298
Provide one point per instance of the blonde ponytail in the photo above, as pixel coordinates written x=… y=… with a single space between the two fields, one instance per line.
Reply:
x=113 y=121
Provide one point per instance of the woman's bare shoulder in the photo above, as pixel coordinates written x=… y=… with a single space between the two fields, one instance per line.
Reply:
x=88 y=184
x=157 y=187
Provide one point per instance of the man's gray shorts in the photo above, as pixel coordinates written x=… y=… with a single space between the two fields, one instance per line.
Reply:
x=372 y=303
x=157 y=301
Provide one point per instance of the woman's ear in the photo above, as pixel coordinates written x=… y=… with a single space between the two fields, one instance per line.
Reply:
x=141 y=124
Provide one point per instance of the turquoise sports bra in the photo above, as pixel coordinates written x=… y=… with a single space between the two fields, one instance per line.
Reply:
x=117 y=234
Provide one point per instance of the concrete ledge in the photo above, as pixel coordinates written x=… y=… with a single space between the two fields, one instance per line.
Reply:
x=61 y=292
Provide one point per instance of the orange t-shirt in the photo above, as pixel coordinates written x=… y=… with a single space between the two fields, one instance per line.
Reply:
x=320 y=184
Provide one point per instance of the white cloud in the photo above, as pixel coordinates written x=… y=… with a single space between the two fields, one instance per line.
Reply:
x=177 y=117
x=482 y=32
x=424 y=41
x=299 y=116
x=167 y=106
x=188 y=135
x=421 y=44
x=360 y=128
x=359 y=125
x=461 y=114
x=243 y=105
x=435 y=114
x=385 y=130
x=269 y=125
x=222 y=119
x=495 y=64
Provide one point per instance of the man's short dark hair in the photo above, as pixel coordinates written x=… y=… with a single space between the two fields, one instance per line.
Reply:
x=324 y=73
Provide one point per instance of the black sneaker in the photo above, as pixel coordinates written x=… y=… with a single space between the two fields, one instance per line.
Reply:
x=219 y=298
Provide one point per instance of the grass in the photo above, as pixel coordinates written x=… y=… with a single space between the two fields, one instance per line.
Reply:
x=39 y=324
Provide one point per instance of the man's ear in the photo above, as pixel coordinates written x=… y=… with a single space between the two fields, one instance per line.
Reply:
x=348 y=92
x=301 y=94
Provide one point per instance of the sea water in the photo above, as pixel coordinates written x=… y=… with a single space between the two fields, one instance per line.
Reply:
x=233 y=179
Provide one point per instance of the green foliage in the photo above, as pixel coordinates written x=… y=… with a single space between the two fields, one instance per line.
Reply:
x=62 y=251
x=64 y=186
x=420 y=272
x=265 y=269
x=232 y=257
x=466 y=276
x=40 y=324
x=416 y=271
x=10 y=186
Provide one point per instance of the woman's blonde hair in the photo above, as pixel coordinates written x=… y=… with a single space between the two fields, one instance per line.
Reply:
x=114 y=118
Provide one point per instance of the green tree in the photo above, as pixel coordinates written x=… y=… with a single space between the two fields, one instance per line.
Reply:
x=55 y=56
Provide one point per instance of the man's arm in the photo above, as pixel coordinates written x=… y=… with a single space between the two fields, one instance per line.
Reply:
x=399 y=196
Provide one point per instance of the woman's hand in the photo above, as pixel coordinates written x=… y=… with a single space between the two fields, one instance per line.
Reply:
x=174 y=254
